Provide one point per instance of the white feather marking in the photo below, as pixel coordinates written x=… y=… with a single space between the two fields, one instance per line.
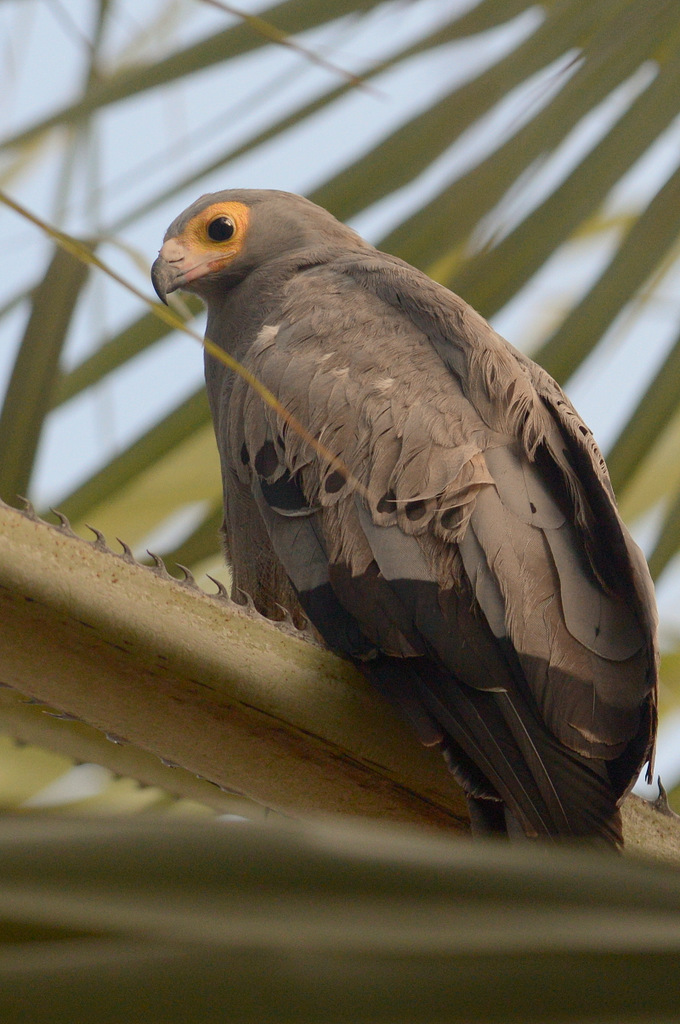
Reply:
x=383 y=384
x=265 y=339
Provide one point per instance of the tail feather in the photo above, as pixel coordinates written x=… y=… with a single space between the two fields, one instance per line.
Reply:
x=474 y=720
x=498 y=748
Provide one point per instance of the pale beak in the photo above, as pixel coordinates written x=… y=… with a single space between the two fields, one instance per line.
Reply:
x=168 y=270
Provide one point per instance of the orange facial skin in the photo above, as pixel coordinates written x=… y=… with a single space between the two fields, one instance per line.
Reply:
x=211 y=239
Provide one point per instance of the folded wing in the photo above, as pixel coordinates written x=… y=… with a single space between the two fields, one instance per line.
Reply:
x=470 y=558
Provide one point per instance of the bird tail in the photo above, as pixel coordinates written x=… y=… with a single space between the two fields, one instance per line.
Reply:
x=499 y=749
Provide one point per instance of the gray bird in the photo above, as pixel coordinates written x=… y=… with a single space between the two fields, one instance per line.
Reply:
x=465 y=551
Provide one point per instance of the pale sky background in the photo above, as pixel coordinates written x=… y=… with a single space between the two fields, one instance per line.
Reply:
x=152 y=140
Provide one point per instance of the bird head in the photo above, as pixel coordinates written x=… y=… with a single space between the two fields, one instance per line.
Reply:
x=221 y=237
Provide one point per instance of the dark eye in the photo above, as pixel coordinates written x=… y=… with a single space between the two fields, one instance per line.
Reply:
x=221 y=229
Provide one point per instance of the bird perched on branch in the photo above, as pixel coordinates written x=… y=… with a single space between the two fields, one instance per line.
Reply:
x=435 y=506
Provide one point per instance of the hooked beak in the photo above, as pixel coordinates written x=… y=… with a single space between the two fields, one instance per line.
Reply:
x=165 y=278
x=169 y=271
x=173 y=268
x=177 y=266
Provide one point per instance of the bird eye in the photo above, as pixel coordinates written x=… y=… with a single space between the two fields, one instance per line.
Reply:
x=221 y=229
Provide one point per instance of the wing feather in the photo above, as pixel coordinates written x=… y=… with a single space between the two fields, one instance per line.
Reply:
x=470 y=564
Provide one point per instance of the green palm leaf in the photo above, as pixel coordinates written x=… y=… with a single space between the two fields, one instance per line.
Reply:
x=112 y=921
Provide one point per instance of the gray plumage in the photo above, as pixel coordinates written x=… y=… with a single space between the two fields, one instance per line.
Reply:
x=471 y=560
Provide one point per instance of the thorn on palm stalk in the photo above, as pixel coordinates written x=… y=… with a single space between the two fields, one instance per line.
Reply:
x=661 y=803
